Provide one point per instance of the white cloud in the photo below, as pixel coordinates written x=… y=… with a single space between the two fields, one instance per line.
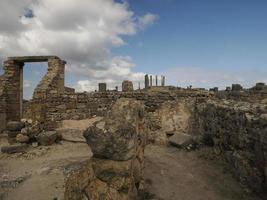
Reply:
x=80 y=32
x=146 y=20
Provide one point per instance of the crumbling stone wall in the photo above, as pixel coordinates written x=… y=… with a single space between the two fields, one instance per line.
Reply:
x=115 y=171
x=2 y=105
x=83 y=105
x=237 y=131
x=53 y=82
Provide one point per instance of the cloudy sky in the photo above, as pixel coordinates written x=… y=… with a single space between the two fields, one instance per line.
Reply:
x=201 y=43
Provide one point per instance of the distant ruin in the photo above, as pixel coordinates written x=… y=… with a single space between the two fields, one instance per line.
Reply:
x=232 y=122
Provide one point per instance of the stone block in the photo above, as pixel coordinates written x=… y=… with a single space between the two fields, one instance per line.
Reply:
x=16 y=148
x=15 y=126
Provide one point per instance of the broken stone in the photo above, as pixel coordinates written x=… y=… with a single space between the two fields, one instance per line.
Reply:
x=16 y=148
x=181 y=140
x=47 y=138
x=110 y=139
x=15 y=126
x=12 y=134
x=22 y=138
x=71 y=135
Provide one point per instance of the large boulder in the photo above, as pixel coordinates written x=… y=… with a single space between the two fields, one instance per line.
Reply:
x=112 y=139
x=71 y=135
x=181 y=140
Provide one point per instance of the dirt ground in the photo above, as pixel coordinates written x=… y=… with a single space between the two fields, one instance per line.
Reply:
x=173 y=174
x=170 y=173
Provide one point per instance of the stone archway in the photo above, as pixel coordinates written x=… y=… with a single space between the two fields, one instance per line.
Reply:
x=51 y=84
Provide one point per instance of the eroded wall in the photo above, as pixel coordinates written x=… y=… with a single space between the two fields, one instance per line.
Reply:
x=2 y=105
x=238 y=132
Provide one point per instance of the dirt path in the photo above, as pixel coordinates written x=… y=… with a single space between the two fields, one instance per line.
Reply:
x=41 y=172
x=172 y=174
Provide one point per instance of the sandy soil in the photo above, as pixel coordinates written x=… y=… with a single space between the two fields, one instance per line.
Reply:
x=40 y=173
x=173 y=174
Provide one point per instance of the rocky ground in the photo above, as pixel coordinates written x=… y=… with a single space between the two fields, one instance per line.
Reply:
x=170 y=173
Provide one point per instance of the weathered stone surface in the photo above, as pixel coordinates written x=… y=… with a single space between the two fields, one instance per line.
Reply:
x=71 y=135
x=22 y=138
x=181 y=140
x=16 y=148
x=117 y=174
x=112 y=139
x=237 y=133
x=12 y=134
x=117 y=142
x=127 y=86
x=47 y=138
x=15 y=126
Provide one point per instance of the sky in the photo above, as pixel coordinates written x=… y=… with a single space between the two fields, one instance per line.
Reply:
x=203 y=43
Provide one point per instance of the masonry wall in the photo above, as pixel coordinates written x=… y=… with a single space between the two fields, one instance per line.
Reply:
x=12 y=89
x=238 y=132
x=54 y=109
x=53 y=82
x=2 y=106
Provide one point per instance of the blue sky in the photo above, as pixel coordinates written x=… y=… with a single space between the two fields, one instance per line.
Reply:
x=204 y=43
x=211 y=34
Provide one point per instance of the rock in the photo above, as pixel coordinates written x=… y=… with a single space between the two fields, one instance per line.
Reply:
x=181 y=140
x=116 y=174
x=12 y=134
x=71 y=135
x=110 y=139
x=15 y=126
x=16 y=148
x=22 y=138
x=35 y=144
x=47 y=138
x=24 y=131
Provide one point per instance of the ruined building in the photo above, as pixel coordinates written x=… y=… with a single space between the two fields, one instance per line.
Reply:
x=232 y=123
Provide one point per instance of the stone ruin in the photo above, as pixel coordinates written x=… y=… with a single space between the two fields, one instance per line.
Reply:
x=232 y=122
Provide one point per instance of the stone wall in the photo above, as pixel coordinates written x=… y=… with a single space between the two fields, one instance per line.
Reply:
x=53 y=82
x=115 y=171
x=12 y=89
x=2 y=106
x=238 y=132
x=54 y=109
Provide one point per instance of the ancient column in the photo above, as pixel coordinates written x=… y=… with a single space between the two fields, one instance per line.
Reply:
x=151 y=81
x=146 y=82
x=156 y=80
x=162 y=80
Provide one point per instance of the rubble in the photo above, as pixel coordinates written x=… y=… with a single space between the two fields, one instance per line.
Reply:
x=16 y=148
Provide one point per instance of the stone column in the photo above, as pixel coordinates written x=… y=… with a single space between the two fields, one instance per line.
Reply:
x=156 y=80
x=146 y=82
x=13 y=84
x=151 y=81
x=162 y=80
